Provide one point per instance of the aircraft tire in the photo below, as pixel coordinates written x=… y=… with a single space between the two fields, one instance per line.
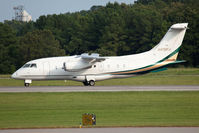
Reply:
x=91 y=82
x=26 y=84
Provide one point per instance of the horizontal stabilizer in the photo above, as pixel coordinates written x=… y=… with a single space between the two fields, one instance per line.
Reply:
x=178 y=61
x=179 y=26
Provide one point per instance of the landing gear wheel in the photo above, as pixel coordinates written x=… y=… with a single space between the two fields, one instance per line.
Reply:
x=26 y=84
x=85 y=83
x=91 y=82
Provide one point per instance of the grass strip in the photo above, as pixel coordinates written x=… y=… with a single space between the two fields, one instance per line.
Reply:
x=35 y=110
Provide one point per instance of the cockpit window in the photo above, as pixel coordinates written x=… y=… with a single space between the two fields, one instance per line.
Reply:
x=30 y=65
x=26 y=65
x=33 y=65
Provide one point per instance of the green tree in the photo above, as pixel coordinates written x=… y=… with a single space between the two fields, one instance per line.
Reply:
x=21 y=28
x=38 y=44
x=8 y=52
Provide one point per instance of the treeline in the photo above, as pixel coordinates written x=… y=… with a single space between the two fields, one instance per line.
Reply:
x=114 y=29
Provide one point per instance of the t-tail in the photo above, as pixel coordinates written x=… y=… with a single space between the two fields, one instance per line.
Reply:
x=167 y=50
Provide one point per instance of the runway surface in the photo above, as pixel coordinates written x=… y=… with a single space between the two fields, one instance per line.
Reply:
x=97 y=88
x=108 y=130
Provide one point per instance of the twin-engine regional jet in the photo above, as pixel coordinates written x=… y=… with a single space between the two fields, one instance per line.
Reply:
x=90 y=68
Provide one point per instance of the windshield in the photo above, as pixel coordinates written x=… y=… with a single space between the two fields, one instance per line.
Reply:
x=30 y=65
x=33 y=65
x=26 y=65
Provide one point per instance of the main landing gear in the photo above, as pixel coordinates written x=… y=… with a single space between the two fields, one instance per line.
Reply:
x=89 y=83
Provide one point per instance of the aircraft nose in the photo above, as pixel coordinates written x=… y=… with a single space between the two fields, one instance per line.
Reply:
x=14 y=75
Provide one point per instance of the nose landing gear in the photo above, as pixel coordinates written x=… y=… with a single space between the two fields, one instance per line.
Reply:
x=27 y=82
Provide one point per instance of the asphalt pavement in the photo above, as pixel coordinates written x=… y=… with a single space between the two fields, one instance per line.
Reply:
x=97 y=88
x=108 y=130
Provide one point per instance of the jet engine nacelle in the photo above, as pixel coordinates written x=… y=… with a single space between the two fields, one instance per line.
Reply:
x=76 y=66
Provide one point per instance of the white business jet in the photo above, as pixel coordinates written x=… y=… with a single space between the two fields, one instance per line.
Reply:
x=88 y=68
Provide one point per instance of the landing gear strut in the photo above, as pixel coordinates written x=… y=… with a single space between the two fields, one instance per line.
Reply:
x=89 y=83
x=85 y=83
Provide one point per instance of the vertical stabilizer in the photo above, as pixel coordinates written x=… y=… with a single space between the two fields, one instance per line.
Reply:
x=169 y=46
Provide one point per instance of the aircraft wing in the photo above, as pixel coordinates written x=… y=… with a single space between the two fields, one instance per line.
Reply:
x=94 y=57
x=86 y=62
